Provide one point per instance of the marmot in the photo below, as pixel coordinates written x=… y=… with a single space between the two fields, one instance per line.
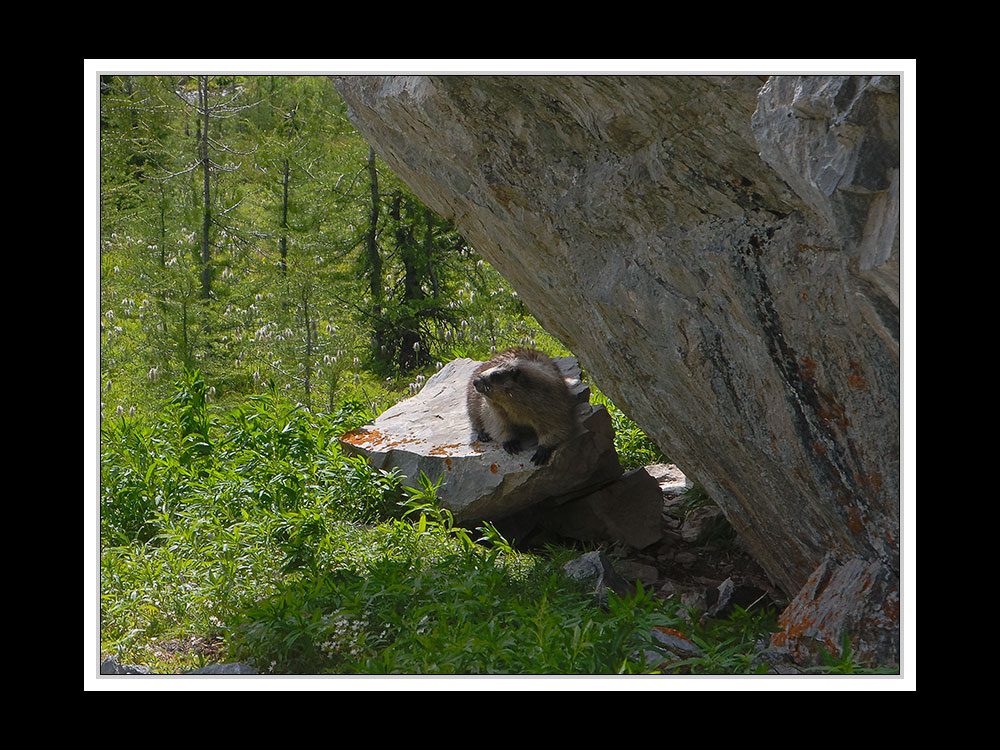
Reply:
x=518 y=394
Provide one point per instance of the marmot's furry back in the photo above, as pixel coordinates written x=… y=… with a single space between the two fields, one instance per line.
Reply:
x=518 y=394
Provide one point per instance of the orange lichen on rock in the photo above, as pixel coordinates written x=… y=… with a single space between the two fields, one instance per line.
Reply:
x=443 y=450
x=673 y=632
x=359 y=436
x=366 y=437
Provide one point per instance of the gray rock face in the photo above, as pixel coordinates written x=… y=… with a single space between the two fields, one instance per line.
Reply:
x=721 y=252
x=835 y=141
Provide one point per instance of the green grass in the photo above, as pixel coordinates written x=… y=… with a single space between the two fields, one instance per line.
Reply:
x=251 y=537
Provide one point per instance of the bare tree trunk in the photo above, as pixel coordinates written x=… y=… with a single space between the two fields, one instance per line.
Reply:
x=375 y=261
x=413 y=351
x=429 y=254
x=283 y=241
x=310 y=337
x=162 y=293
x=206 y=251
x=186 y=349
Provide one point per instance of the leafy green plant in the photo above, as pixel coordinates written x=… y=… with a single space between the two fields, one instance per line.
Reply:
x=186 y=536
x=634 y=447
x=727 y=646
x=494 y=540
x=192 y=419
x=423 y=502
x=846 y=661
x=842 y=663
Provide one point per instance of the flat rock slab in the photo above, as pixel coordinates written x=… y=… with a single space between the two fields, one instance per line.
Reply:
x=430 y=433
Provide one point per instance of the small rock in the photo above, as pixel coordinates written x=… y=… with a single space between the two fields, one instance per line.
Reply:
x=694 y=600
x=672 y=481
x=701 y=523
x=725 y=596
x=668 y=588
x=676 y=642
x=596 y=565
x=111 y=666
x=686 y=558
x=633 y=570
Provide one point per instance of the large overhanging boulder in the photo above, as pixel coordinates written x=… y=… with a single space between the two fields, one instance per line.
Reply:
x=722 y=254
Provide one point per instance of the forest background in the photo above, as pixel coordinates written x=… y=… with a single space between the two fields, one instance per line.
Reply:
x=249 y=232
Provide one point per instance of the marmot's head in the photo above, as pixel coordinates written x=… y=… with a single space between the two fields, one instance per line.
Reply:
x=497 y=381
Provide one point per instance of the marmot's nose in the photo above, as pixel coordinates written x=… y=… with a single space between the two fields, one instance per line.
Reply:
x=481 y=384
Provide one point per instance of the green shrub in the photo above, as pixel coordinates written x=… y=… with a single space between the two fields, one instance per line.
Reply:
x=252 y=532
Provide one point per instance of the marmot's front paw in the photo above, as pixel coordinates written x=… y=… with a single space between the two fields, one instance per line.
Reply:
x=512 y=446
x=542 y=455
x=483 y=436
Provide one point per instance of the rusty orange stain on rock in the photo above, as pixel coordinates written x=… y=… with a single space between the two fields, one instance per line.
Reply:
x=808 y=369
x=856 y=380
x=814 y=617
x=494 y=468
x=794 y=625
x=854 y=520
